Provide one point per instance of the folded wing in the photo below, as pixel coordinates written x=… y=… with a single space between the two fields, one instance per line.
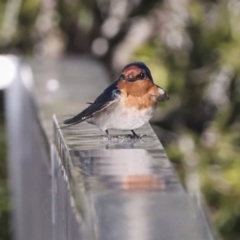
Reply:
x=108 y=97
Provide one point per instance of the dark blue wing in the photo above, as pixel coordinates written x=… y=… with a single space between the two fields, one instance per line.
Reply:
x=109 y=96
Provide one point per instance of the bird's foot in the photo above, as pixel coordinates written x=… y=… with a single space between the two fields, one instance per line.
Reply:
x=135 y=136
x=108 y=135
x=142 y=135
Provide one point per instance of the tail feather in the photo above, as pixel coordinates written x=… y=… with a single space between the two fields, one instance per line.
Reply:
x=73 y=121
x=69 y=124
x=77 y=119
x=70 y=121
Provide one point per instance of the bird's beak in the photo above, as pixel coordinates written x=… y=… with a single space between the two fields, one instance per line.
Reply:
x=164 y=97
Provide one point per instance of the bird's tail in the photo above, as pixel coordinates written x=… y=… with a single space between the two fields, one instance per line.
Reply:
x=82 y=116
x=74 y=120
x=69 y=124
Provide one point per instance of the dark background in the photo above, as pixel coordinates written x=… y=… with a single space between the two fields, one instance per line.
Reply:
x=193 y=51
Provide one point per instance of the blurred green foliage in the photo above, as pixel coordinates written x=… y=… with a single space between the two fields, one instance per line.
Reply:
x=193 y=51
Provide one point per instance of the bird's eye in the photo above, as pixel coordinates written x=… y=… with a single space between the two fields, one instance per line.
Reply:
x=142 y=76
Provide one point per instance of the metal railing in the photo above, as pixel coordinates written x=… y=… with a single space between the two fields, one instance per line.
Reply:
x=74 y=183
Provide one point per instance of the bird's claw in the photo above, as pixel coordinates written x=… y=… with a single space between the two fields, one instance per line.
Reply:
x=135 y=136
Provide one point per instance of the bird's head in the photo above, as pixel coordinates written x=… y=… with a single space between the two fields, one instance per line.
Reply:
x=136 y=71
x=136 y=80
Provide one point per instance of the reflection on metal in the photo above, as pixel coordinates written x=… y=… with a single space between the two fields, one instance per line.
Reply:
x=117 y=164
x=130 y=188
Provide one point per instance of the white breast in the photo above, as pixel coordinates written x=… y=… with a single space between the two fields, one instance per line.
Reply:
x=118 y=117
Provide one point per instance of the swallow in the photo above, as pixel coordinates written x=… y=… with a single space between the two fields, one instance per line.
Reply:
x=126 y=104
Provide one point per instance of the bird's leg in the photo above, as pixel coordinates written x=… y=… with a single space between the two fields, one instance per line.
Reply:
x=135 y=135
x=108 y=135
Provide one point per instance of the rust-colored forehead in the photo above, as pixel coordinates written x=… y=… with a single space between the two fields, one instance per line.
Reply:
x=132 y=70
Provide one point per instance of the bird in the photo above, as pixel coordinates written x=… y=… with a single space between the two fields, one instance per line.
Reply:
x=127 y=104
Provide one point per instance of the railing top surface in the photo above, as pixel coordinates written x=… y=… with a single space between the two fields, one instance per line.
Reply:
x=121 y=163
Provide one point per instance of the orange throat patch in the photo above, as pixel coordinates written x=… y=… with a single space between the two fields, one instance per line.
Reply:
x=136 y=89
x=139 y=94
